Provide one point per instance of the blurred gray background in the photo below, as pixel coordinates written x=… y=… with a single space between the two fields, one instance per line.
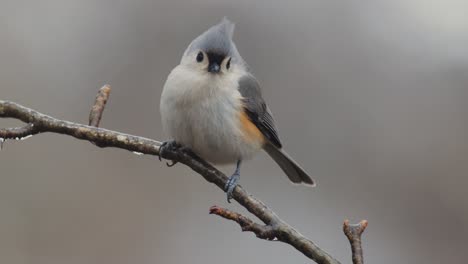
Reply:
x=370 y=96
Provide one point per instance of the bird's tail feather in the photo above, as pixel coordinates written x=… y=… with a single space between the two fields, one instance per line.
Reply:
x=293 y=170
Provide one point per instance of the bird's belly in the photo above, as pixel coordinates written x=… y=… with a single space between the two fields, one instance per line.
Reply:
x=213 y=129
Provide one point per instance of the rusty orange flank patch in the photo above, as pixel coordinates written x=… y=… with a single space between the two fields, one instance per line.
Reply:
x=250 y=130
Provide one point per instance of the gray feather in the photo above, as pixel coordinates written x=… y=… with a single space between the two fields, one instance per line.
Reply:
x=217 y=39
x=257 y=110
x=293 y=170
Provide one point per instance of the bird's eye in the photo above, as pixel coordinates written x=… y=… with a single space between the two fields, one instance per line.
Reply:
x=228 y=64
x=200 y=56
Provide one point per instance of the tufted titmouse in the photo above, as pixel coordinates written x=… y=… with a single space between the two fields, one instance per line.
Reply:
x=212 y=104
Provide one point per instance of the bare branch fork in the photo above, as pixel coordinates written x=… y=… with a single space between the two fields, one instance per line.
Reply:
x=273 y=228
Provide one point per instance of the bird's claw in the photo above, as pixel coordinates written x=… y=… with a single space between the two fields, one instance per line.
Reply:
x=230 y=185
x=168 y=145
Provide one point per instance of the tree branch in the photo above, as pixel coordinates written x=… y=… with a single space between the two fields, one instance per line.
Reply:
x=261 y=231
x=353 y=233
x=274 y=228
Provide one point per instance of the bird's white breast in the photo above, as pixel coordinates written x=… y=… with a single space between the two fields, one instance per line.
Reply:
x=202 y=111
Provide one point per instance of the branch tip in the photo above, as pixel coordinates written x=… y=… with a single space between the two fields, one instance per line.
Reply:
x=353 y=232
x=97 y=110
x=99 y=104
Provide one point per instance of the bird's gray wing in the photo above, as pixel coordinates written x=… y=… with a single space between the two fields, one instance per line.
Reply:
x=257 y=110
x=260 y=115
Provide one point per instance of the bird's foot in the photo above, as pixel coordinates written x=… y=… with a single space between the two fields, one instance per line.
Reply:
x=231 y=184
x=170 y=145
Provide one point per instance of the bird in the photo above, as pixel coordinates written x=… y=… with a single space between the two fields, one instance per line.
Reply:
x=212 y=104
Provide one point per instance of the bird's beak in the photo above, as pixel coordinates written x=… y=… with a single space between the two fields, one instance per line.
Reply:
x=214 y=67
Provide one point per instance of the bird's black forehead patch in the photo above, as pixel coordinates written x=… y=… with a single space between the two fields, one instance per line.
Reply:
x=214 y=56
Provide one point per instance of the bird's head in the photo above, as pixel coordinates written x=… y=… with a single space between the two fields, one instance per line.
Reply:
x=213 y=51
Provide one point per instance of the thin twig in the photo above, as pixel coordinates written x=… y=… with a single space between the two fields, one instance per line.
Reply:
x=353 y=233
x=18 y=132
x=44 y=123
x=99 y=104
x=261 y=231
x=97 y=110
